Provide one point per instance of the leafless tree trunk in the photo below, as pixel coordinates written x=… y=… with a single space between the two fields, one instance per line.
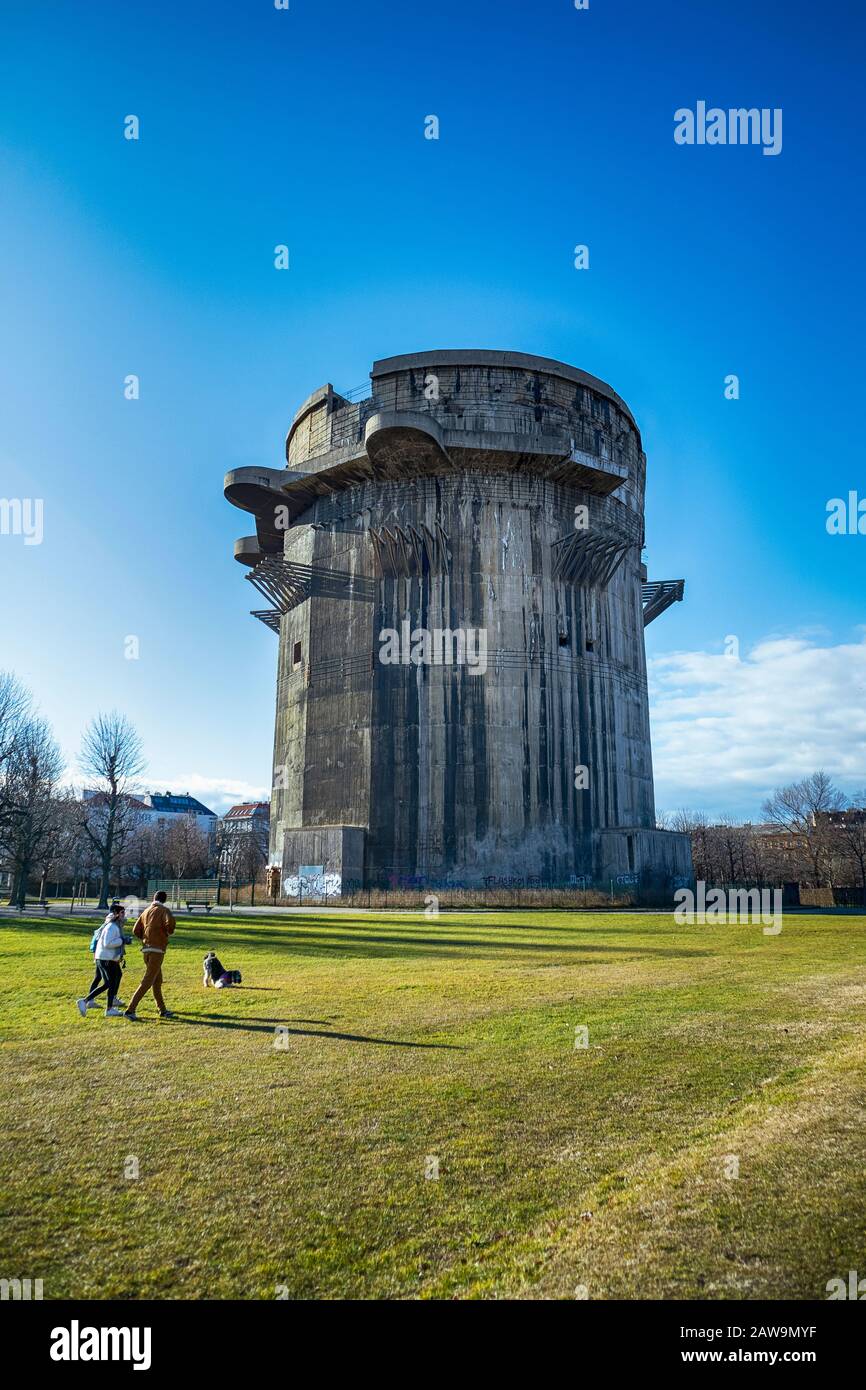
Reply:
x=795 y=809
x=30 y=777
x=187 y=848
x=14 y=710
x=852 y=837
x=111 y=755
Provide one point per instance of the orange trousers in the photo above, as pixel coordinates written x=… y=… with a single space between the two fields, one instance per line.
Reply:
x=152 y=980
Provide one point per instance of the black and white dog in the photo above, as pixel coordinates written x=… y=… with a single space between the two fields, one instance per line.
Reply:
x=216 y=974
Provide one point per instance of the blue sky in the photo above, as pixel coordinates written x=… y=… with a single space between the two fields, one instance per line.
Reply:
x=306 y=127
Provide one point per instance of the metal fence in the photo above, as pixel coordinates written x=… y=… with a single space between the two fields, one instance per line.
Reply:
x=414 y=893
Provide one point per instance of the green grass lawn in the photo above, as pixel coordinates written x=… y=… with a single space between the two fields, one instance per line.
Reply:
x=450 y=1039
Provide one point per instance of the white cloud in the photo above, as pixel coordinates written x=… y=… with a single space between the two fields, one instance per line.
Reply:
x=218 y=793
x=727 y=731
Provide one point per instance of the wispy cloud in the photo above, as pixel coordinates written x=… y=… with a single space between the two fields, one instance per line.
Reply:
x=726 y=730
x=219 y=793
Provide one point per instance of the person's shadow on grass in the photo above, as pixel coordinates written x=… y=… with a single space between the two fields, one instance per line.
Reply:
x=268 y=1026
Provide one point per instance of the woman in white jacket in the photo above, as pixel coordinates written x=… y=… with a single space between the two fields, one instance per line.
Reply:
x=119 y=911
x=109 y=954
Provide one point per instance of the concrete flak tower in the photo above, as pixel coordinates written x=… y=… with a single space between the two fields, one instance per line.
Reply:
x=453 y=567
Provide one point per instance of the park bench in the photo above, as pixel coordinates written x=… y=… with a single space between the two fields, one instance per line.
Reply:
x=198 y=902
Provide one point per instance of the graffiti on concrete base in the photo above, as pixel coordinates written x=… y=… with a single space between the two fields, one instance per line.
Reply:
x=313 y=885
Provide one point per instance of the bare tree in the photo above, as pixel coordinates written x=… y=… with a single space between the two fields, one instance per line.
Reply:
x=730 y=838
x=147 y=855
x=694 y=824
x=86 y=861
x=252 y=857
x=63 y=849
x=187 y=848
x=797 y=809
x=851 y=833
x=756 y=865
x=241 y=854
x=14 y=710
x=30 y=778
x=111 y=756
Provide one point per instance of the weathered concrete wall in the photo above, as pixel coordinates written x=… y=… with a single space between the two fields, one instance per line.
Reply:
x=337 y=850
x=463 y=773
x=656 y=856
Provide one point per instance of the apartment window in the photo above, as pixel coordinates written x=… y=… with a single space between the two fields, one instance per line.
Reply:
x=296 y=655
x=590 y=644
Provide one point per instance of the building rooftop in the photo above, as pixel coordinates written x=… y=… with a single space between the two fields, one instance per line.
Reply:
x=173 y=804
x=100 y=798
x=246 y=810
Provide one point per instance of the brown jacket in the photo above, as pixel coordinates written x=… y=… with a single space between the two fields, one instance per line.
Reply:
x=155 y=926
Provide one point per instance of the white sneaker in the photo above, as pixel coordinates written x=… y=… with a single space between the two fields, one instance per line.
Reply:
x=118 y=1004
x=82 y=1007
x=91 y=1003
x=114 y=1013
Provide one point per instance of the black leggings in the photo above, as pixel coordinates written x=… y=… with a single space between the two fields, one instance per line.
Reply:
x=109 y=973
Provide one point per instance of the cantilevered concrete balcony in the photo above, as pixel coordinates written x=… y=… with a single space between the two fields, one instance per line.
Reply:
x=600 y=476
x=406 y=442
x=247 y=550
x=260 y=491
x=253 y=488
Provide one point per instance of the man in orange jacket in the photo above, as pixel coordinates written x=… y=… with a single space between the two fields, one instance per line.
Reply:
x=153 y=928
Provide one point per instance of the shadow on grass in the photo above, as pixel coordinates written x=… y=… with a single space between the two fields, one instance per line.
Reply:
x=259 y=989
x=311 y=937
x=268 y=1026
x=321 y=941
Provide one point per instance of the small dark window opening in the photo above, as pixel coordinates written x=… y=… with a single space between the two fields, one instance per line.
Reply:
x=590 y=644
x=296 y=654
x=630 y=839
x=563 y=639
